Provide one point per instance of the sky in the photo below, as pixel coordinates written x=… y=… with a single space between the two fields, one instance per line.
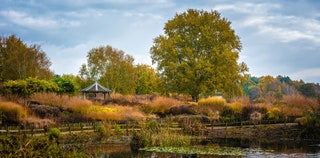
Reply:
x=279 y=37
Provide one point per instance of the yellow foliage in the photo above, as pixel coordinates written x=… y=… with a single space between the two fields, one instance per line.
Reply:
x=212 y=101
x=276 y=110
x=236 y=107
x=103 y=113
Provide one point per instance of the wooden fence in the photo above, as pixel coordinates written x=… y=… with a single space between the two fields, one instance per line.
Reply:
x=124 y=125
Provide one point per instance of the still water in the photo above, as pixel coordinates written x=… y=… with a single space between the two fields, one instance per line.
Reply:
x=248 y=148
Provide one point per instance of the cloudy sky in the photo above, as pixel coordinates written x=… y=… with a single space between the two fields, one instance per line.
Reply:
x=278 y=37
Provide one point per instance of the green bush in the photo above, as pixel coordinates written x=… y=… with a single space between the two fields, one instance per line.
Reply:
x=25 y=88
x=54 y=133
x=65 y=84
x=45 y=111
x=101 y=130
x=117 y=129
x=104 y=130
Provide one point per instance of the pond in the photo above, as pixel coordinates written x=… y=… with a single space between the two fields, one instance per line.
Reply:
x=231 y=148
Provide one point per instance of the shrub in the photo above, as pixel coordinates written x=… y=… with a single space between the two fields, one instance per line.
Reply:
x=45 y=111
x=54 y=133
x=25 y=88
x=255 y=117
x=248 y=110
x=182 y=109
x=310 y=125
x=117 y=129
x=140 y=139
x=274 y=114
x=72 y=117
x=11 y=112
x=102 y=130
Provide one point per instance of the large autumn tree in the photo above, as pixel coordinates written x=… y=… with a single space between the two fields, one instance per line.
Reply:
x=20 y=61
x=112 y=68
x=198 y=55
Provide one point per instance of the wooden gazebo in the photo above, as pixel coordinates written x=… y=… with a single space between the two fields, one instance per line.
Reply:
x=94 y=89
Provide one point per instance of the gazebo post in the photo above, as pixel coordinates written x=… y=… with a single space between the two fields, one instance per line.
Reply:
x=84 y=95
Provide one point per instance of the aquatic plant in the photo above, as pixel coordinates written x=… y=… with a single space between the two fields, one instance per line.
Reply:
x=40 y=146
x=200 y=150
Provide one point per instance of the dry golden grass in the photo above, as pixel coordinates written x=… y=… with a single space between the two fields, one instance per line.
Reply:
x=117 y=98
x=12 y=111
x=74 y=103
x=159 y=105
x=77 y=104
x=51 y=99
x=103 y=113
x=133 y=113
x=236 y=107
x=213 y=103
x=244 y=100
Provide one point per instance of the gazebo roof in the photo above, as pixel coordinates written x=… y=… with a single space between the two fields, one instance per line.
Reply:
x=96 y=87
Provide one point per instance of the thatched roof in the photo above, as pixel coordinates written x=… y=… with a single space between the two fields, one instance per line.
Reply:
x=96 y=88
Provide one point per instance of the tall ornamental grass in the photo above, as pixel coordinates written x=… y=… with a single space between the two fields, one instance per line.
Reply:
x=51 y=99
x=213 y=103
x=11 y=112
x=103 y=113
x=160 y=105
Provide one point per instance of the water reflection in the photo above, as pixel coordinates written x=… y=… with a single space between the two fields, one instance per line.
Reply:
x=252 y=148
